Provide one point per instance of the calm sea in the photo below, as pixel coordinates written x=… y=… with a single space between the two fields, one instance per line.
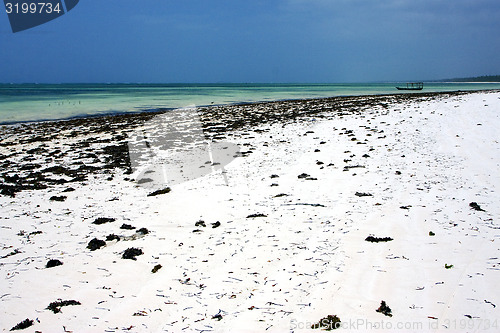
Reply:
x=34 y=102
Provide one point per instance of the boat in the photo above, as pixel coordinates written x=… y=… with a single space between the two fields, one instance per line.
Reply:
x=412 y=86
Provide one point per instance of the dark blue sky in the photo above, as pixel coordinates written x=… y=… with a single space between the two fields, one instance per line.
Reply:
x=256 y=41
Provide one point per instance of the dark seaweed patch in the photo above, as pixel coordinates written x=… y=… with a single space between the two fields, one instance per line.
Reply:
x=112 y=237
x=96 y=244
x=132 y=253
x=102 y=220
x=22 y=325
x=475 y=206
x=56 y=306
x=158 y=192
x=377 y=239
x=156 y=268
x=58 y=198
x=384 y=309
x=127 y=227
x=256 y=215
x=53 y=263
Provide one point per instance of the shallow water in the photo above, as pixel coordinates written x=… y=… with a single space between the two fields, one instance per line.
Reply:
x=32 y=102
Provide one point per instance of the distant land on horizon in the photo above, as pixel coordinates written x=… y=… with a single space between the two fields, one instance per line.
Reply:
x=484 y=78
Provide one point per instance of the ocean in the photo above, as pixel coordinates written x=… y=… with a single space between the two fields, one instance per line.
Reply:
x=36 y=102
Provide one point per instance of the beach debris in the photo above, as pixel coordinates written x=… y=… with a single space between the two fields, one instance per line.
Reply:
x=306 y=176
x=53 y=263
x=475 y=206
x=56 y=306
x=156 y=268
x=331 y=322
x=398 y=172
x=448 y=266
x=158 y=192
x=132 y=253
x=406 y=207
x=348 y=167
x=431 y=233
x=215 y=225
x=303 y=204
x=218 y=316
x=127 y=227
x=200 y=223
x=22 y=325
x=96 y=244
x=16 y=251
x=256 y=215
x=143 y=231
x=488 y=302
x=274 y=176
x=280 y=195
x=378 y=239
x=58 y=198
x=112 y=237
x=102 y=220
x=141 y=313
x=361 y=194
x=384 y=309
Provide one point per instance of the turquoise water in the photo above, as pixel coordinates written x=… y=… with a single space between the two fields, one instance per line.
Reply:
x=33 y=102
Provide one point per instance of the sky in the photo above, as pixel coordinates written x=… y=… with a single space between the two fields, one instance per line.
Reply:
x=261 y=41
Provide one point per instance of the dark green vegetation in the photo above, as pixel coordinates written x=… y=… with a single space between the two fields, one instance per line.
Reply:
x=484 y=78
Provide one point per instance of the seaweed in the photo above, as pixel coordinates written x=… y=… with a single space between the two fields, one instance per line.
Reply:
x=127 y=226
x=22 y=325
x=53 y=263
x=215 y=225
x=256 y=215
x=384 y=309
x=378 y=239
x=156 y=268
x=200 y=223
x=143 y=231
x=102 y=220
x=112 y=237
x=331 y=322
x=158 y=192
x=58 y=198
x=96 y=244
x=475 y=206
x=132 y=253
x=56 y=306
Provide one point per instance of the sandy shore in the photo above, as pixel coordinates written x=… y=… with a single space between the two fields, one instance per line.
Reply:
x=274 y=241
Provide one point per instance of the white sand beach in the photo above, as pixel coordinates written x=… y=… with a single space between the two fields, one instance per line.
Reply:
x=316 y=185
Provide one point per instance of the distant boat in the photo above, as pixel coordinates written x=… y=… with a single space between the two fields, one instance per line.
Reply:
x=412 y=86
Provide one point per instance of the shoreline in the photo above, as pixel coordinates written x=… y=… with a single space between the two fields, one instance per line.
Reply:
x=161 y=110
x=282 y=243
